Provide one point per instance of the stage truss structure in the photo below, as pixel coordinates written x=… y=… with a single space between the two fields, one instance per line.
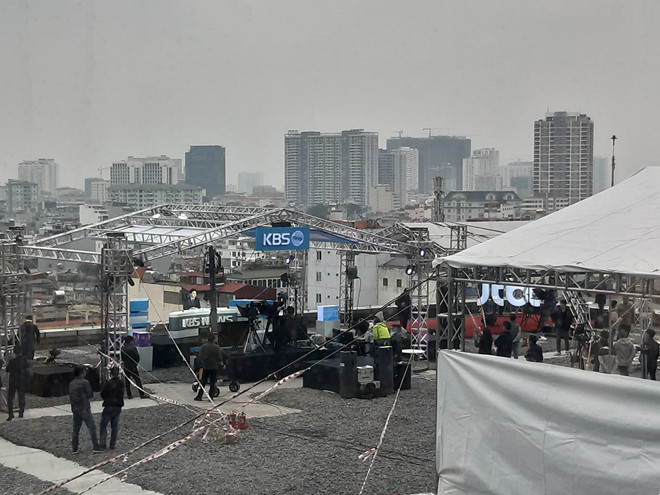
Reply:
x=14 y=294
x=573 y=285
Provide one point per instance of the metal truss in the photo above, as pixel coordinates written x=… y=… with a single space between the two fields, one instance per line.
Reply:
x=613 y=284
x=450 y=308
x=14 y=297
x=116 y=268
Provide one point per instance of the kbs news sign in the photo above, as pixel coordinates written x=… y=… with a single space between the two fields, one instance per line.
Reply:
x=281 y=238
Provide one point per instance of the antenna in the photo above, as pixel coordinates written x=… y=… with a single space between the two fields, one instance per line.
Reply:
x=427 y=129
x=400 y=133
x=613 y=138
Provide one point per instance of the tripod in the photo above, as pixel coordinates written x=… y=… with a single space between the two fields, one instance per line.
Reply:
x=252 y=337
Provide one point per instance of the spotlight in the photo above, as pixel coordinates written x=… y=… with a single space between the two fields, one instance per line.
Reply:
x=351 y=272
x=290 y=258
x=410 y=269
x=422 y=252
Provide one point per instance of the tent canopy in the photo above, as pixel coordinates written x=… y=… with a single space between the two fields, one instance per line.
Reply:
x=615 y=231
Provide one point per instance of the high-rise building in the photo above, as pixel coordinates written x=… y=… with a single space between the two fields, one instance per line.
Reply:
x=206 y=168
x=43 y=172
x=564 y=156
x=481 y=171
x=438 y=156
x=22 y=197
x=330 y=168
x=248 y=180
x=393 y=171
x=151 y=170
x=141 y=196
x=518 y=177
x=602 y=173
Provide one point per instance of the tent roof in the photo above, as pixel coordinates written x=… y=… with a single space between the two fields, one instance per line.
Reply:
x=615 y=231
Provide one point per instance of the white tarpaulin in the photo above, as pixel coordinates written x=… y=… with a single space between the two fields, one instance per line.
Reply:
x=511 y=427
x=617 y=230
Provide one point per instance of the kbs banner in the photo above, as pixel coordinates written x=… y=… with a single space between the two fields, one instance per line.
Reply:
x=281 y=238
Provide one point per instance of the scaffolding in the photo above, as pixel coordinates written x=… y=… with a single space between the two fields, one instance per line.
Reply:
x=347 y=275
x=116 y=269
x=14 y=297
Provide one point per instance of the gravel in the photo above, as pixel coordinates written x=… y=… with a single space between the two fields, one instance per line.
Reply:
x=16 y=482
x=315 y=451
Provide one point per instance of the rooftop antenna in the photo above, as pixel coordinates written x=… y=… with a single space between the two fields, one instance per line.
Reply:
x=400 y=133
x=613 y=138
x=427 y=129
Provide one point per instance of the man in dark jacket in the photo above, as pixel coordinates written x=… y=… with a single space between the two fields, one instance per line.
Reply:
x=18 y=375
x=191 y=301
x=212 y=361
x=130 y=358
x=534 y=353
x=504 y=343
x=562 y=318
x=28 y=333
x=79 y=394
x=650 y=349
x=403 y=305
x=113 y=400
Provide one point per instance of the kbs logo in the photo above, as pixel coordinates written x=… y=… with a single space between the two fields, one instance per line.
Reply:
x=281 y=238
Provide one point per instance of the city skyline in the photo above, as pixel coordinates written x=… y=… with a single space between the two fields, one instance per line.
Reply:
x=229 y=74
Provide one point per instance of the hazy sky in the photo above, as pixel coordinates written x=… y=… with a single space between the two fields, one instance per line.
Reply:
x=89 y=82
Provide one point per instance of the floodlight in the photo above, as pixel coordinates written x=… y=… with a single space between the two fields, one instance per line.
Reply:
x=422 y=252
x=290 y=258
x=410 y=269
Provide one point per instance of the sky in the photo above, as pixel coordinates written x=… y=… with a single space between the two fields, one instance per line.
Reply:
x=92 y=82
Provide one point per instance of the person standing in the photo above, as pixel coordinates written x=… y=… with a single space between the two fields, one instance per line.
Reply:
x=212 y=361
x=516 y=333
x=403 y=304
x=651 y=349
x=626 y=313
x=28 y=333
x=131 y=358
x=17 y=368
x=534 y=352
x=504 y=342
x=79 y=394
x=562 y=319
x=113 y=400
x=624 y=350
x=191 y=301
x=485 y=341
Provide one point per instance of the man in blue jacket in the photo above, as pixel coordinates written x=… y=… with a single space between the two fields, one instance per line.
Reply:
x=80 y=392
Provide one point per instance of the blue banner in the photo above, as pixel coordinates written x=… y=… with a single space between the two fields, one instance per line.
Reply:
x=281 y=238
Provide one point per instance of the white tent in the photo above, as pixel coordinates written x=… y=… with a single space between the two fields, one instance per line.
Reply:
x=616 y=231
x=516 y=428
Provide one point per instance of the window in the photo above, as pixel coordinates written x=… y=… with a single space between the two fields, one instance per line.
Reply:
x=398 y=283
x=385 y=282
x=318 y=299
x=318 y=276
x=318 y=256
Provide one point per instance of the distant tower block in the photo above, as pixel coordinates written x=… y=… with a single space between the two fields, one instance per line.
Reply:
x=438 y=206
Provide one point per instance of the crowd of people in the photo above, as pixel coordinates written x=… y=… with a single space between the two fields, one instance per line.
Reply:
x=612 y=351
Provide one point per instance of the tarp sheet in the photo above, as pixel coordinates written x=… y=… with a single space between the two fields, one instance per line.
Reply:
x=615 y=231
x=518 y=428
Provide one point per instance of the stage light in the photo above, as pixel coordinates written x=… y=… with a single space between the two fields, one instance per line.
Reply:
x=351 y=272
x=410 y=269
x=422 y=252
x=290 y=258
x=183 y=216
x=155 y=215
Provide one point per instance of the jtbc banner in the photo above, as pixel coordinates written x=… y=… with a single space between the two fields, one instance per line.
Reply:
x=281 y=238
x=516 y=296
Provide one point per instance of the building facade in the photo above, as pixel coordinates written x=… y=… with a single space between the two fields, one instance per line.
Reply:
x=43 y=172
x=393 y=172
x=330 y=168
x=151 y=170
x=461 y=206
x=563 y=156
x=206 y=168
x=438 y=156
x=481 y=171
x=518 y=177
x=22 y=197
x=602 y=173
x=141 y=196
x=247 y=181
